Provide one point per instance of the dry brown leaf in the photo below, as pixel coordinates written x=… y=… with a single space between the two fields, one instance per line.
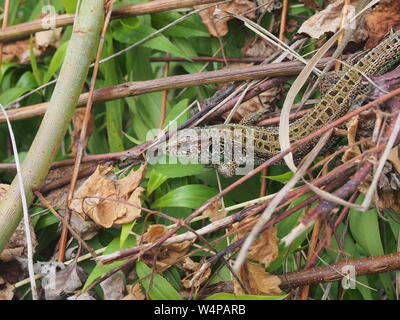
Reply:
x=352 y=126
x=329 y=20
x=20 y=50
x=87 y=229
x=257 y=281
x=108 y=212
x=217 y=25
x=215 y=211
x=154 y=232
x=59 y=279
x=170 y=254
x=190 y=265
x=394 y=158
x=6 y=290
x=114 y=287
x=381 y=19
x=265 y=248
x=263 y=100
x=48 y=38
x=77 y=120
x=134 y=292
x=243 y=227
x=268 y=5
x=258 y=47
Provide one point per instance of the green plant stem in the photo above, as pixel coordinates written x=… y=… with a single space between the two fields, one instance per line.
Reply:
x=81 y=51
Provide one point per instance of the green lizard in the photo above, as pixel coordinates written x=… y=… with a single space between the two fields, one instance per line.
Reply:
x=231 y=146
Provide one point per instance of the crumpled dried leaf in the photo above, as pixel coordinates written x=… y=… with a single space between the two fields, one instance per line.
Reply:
x=20 y=50
x=114 y=287
x=87 y=229
x=215 y=211
x=77 y=120
x=217 y=25
x=268 y=5
x=257 y=280
x=171 y=253
x=48 y=38
x=265 y=248
x=329 y=20
x=154 y=232
x=352 y=126
x=107 y=212
x=6 y=290
x=394 y=158
x=258 y=47
x=190 y=265
x=265 y=99
x=134 y=292
x=380 y=20
x=59 y=279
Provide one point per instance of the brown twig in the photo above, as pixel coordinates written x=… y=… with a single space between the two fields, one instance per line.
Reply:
x=129 y=89
x=164 y=95
x=364 y=266
x=282 y=27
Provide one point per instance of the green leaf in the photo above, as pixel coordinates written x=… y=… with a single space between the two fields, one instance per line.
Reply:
x=189 y=196
x=192 y=26
x=126 y=228
x=130 y=23
x=160 y=42
x=285 y=177
x=11 y=94
x=174 y=169
x=114 y=109
x=176 y=112
x=156 y=179
x=56 y=62
x=364 y=227
x=160 y=288
x=99 y=270
x=231 y=296
x=70 y=5
x=35 y=69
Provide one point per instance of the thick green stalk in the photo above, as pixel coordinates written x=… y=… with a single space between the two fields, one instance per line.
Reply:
x=80 y=53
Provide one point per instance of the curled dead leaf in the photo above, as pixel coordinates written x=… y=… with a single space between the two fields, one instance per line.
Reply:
x=154 y=232
x=217 y=25
x=215 y=211
x=257 y=281
x=198 y=275
x=134 y=292
x=352 y=126
x=265 y=248
x=380 y=20
x=329 y=21
x=6 y=290
x=105 y=186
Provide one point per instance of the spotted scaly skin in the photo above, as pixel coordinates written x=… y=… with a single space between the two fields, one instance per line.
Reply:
x=334 y=104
